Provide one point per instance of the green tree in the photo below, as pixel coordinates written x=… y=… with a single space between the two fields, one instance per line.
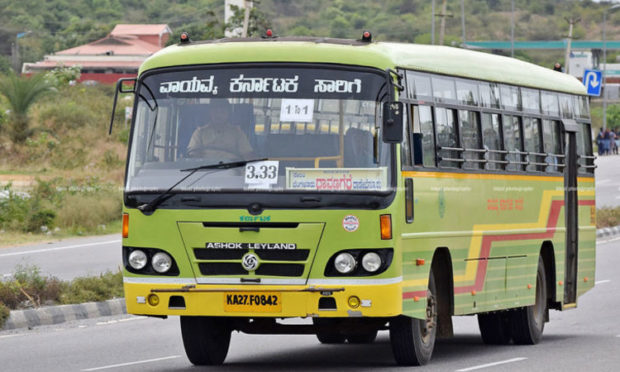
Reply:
x=21 y=93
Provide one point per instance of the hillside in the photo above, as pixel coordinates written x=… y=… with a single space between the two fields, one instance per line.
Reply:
x=59 y=24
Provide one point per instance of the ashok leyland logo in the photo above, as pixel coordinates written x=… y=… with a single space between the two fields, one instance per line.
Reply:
x=250 y=262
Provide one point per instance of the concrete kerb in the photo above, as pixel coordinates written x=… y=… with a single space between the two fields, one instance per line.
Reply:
x=63 y=313
x=607 y=232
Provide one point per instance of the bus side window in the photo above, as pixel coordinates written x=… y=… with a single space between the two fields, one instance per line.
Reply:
x=512 y=142
x=447 y=138
x=470 y=139
x=423 y=125
x=532 y=140
x=553 y=145
x=406 y=144
x=491 y=140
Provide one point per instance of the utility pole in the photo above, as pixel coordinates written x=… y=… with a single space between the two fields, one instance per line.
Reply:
x=246 y=17
x=433 y=23
x=463 y=20
x=512 y=28
x=443 y=15
x=571 y=22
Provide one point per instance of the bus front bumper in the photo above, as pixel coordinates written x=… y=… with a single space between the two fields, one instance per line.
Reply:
x=278 y=301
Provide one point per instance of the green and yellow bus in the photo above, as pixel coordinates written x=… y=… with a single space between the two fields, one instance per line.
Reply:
x=361 y=185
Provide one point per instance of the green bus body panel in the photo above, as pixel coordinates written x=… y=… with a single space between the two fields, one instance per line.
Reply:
x=430 y=58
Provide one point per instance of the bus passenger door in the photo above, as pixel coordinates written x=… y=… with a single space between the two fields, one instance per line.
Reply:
x=571 y=211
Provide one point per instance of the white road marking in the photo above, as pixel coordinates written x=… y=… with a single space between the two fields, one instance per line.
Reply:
x=131 y=363
x=9 y=336
x=491 y=364
x=59 y=248
x=602 y=281
x=114 y=321
x=607 y=241
x=598 y=182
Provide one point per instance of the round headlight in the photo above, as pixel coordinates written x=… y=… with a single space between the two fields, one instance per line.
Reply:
x=371 y=262
x=345 y=263
x=161 y=262
x=137 y=259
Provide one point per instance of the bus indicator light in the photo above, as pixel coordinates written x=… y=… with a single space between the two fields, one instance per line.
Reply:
x=367 y=36
x=386 y=226
x=354 y=302
x=419 y=262
x=269 y=33
x=529 y=286
x=125 y=225
x=153 y=299
x=416 y=299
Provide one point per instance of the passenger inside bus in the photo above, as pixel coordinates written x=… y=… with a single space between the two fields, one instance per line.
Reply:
x=218 y=139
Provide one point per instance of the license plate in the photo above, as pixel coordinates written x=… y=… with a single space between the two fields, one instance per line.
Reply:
x=247 y=302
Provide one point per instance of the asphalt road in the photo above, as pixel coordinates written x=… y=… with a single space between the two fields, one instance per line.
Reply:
x=66 y=259
x=587 y=338
x=608 y=181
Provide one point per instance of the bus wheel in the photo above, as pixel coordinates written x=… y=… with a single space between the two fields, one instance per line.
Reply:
x=528 y=322
x=413 y=339
x=327 y=331
x=495 y=328
x=206 y=339
x=362 y=338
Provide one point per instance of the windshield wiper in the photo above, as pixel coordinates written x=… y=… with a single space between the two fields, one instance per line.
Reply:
x=150 y=207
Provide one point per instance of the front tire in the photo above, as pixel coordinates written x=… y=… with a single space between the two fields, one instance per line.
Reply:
x=412 y=339
x=528 y=322
x=206 y=339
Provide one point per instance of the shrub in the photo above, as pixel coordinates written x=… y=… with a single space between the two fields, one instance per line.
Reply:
x=4 y=314
x=96 y=288
x=87 y=212
x=607 y=217
x=28 y=288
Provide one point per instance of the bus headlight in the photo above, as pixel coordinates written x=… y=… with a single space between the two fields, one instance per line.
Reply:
x=371 y=262
x=345 y=263
x=161 y=262
x=137 y=259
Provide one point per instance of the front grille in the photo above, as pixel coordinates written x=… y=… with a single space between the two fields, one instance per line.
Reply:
x=283 y=255
x=278 y=269
x=221 y=268
x=219 y=254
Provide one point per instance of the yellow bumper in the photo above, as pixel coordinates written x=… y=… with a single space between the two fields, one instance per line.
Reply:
x=296 y=301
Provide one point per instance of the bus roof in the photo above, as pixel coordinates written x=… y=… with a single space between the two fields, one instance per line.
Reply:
x=430 y=58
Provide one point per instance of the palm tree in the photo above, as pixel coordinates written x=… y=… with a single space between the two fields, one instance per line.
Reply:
x=21 y=93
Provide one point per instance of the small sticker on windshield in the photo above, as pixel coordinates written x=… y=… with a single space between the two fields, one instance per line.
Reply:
x=261 y=174
x=297 y=110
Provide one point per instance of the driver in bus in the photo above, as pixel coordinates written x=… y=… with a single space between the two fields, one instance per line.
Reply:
x=218 y=139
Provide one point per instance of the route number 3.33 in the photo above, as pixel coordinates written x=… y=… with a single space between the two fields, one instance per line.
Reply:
x=262 y=173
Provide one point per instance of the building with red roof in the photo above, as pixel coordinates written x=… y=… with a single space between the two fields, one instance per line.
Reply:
x=115 y=56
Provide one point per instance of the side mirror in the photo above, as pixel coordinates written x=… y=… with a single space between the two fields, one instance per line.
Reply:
x=123 y=86
x=393 y=122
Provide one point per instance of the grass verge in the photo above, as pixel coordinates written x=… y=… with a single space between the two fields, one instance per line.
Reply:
x=27 y=289
x=607 y=217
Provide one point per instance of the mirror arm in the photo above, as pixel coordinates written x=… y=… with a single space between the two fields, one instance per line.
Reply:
x=118 y=87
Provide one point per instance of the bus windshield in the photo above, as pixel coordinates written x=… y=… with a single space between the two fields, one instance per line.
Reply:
x=314 y=129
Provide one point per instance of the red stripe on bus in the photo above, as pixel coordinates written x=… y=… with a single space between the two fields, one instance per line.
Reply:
x=554 y=213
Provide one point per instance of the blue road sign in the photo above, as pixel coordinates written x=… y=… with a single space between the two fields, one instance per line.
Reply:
x=593 y=80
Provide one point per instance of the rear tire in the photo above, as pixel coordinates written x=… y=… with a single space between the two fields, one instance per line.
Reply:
x=362 y=338
x=528 y=322
x=495 y=328
x=327 y=331
x=412 y=339
x=206 y=339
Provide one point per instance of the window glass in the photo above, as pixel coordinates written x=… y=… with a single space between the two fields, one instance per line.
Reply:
x=511 y=99
x=447 y=136
x=531 y=100
x=552 y=145
x=424 y=119
x=418 y=86
x=406 y=144
x=467 y=92
x=443 y=89
x=470 y=139
x=512 y=141
x=491 y=140
x=582 y=108
x=584 y=148
x=550 y=105
x=489 y=94
x=566 y=106
x=531 y=139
